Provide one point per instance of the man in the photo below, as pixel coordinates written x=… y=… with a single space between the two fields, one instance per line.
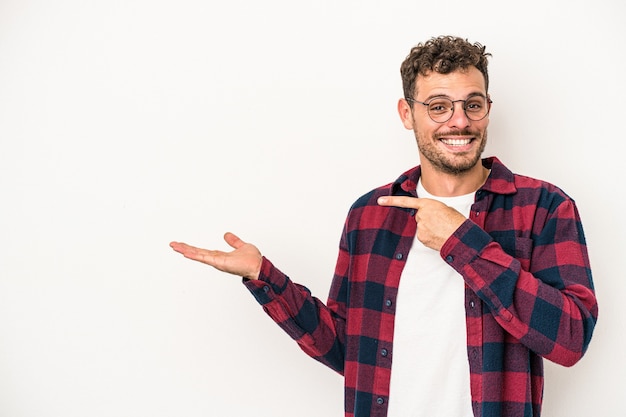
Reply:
x=453 y=282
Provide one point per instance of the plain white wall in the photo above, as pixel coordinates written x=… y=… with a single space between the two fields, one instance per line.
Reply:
x=127 y=124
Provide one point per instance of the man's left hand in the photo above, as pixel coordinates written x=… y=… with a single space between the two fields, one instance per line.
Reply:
x=436 y=222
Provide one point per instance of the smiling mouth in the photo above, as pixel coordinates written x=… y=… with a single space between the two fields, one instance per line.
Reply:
x=456 y=141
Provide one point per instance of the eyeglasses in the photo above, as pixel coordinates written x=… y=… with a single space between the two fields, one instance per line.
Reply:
x=441 y=109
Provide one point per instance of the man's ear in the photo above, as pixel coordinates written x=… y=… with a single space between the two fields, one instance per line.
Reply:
x=406 y=114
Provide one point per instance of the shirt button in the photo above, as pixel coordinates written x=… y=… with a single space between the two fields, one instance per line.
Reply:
x=412 y=212
x=388 y=303
x=472 y=304
x=384 y=352
x=449 y=258
x=266 y=288
x=380 y=400
x=398 y=256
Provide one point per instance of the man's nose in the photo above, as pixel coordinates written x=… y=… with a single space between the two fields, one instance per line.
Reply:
x=459 y=119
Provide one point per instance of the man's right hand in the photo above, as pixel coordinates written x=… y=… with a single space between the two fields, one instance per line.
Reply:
x=244 y=261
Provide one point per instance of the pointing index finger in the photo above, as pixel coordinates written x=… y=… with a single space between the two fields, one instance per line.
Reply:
x=400 y=201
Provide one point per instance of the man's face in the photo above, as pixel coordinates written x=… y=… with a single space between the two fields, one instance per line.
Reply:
x=454 y=146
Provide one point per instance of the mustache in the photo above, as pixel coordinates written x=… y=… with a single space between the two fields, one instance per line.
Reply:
x=462 y=132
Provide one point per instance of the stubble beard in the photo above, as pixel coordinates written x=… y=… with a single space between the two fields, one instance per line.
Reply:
x=457 y=164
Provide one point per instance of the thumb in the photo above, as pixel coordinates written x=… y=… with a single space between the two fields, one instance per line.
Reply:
x=233 y=240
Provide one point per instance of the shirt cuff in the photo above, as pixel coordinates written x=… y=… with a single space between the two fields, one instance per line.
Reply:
x=464 y=245
x=271 y=283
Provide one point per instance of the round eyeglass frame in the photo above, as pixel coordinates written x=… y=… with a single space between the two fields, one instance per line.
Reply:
x=427 y=104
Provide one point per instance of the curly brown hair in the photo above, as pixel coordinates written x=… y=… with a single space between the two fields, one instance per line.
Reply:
x=443 y=54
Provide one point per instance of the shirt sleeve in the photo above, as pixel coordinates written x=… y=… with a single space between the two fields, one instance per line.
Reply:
x=316 y=327
x=539 y=289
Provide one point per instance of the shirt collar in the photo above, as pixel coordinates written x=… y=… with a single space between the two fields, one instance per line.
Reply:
x=500 y=181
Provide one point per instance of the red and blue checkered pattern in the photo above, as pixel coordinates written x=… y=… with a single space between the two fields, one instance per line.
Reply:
x=529 y=293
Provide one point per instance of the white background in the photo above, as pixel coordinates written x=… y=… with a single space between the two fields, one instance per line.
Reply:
x=127 y=124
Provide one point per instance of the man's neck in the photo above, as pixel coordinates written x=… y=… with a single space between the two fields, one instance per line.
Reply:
x=450 y=185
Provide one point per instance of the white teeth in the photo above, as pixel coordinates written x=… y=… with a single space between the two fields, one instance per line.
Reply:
x=456 y=142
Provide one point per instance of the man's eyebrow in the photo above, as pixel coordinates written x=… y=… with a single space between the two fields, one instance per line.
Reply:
x=470 y=95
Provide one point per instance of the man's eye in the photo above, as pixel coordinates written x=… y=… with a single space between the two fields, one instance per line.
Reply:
x=438 y=107
x=474 y=106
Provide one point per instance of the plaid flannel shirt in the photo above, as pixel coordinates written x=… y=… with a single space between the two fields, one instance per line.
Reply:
x=528 y=293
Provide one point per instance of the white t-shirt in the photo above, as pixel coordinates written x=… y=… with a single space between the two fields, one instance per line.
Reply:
x=430 y=370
